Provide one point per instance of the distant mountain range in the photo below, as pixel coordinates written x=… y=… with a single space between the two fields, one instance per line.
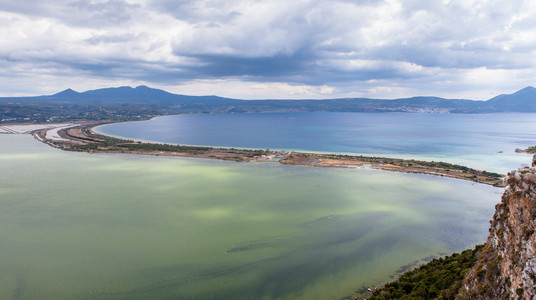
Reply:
x=142 y=101
x=521 y=101
x=118 y=95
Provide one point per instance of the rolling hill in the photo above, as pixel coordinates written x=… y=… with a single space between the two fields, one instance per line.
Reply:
x=125 y=102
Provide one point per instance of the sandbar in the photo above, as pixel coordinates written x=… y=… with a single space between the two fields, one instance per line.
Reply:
x=82 y=137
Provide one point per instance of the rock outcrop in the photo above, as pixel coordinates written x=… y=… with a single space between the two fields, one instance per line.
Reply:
x=506 y=266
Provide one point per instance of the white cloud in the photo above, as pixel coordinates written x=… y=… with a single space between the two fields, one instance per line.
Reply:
x=309 y=47
x=252 y=90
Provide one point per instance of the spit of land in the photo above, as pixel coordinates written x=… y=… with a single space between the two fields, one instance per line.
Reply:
x=81 y=137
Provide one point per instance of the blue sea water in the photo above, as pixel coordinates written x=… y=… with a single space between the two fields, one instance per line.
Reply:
x=483 y=141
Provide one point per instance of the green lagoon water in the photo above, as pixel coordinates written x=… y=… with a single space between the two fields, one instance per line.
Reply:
x=82 y=226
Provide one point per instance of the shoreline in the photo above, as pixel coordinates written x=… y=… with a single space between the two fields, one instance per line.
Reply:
x=82 y=138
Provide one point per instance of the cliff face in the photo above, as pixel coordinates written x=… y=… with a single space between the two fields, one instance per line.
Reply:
x=506 y=267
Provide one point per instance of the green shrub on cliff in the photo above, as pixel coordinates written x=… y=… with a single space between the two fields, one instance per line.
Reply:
x=439 y=279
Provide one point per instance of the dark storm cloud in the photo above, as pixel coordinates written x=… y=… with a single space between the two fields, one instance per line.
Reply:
x=434 y=35
x=221 y=65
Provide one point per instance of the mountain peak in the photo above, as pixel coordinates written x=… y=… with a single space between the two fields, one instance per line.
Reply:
x=523 y=100
x=528 y=89
x=66 y=93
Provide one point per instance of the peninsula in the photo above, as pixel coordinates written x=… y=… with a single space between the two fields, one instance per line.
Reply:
x=81 y=137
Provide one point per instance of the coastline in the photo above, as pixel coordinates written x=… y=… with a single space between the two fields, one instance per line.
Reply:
x=349 y=188
x=82 y=137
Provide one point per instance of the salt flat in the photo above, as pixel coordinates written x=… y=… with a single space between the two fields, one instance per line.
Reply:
x=53 y=134
x=27 y=128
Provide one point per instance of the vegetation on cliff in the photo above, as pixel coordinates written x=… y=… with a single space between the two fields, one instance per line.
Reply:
x=439 y=279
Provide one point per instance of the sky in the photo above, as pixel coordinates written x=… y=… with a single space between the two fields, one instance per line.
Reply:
x=270 y=49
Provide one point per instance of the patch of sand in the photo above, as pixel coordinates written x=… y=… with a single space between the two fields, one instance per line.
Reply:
x=53 y=134
x=27 y=128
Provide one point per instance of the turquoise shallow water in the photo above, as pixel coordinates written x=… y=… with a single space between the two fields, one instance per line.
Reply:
x=483 y=141
x=82 y=226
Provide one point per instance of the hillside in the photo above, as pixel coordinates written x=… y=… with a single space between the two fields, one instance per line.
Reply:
x=119 y=95
x=523 y=100
x=127 y=103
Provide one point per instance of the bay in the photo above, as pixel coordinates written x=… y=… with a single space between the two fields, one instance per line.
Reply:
x=482 y=141
x=102 y=226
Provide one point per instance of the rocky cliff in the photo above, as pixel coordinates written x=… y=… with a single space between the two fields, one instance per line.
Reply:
x=506 y=266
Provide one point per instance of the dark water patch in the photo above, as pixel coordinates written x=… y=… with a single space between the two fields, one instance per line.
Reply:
x=246 y=248
x=339 y=229
x=20 y=285
x=406 y=268
x=429 y=258
x=259 y=244
x=310 y=267
x=184 y=275
x=323 y=221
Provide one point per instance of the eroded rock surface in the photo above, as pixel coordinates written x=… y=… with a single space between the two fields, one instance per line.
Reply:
x=506 y=268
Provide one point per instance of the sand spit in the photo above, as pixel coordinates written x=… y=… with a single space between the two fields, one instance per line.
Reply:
x=81 y=137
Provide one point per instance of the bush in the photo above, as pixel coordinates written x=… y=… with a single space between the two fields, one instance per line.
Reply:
x=438 y=279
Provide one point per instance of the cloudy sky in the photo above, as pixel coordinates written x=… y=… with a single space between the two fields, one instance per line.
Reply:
x=258 y=49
